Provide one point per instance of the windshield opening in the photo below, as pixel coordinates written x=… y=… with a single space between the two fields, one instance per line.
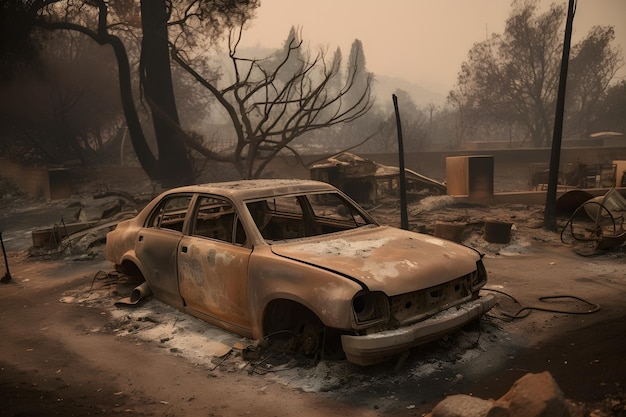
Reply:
x=305 y=215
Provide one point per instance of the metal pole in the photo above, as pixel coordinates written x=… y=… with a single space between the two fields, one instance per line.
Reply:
x=549 y=215
x=404 y=218
x=7 y=277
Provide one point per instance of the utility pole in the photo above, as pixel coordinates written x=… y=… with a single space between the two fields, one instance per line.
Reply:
x=7 y=276
x=549 y=215
x=404 y=217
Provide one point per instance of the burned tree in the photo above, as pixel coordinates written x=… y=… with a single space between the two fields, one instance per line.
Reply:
x=510 y=80
x=109 y=23
x=276 y=100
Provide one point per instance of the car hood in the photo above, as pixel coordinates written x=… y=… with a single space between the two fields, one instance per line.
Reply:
x=385 y=258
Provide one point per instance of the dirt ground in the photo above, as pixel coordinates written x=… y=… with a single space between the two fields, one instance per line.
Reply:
x=67 y=349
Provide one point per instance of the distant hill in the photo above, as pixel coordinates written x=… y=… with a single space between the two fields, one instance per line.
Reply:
x=384 y=86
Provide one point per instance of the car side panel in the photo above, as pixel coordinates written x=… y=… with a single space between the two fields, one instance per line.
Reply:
x=121 y=240
x=157 y=249
x=212 y=279
x=273 y=277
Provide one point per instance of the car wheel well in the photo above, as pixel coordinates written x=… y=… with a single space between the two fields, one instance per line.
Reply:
x=130 y=269
x=286 y=315
x=301 y=329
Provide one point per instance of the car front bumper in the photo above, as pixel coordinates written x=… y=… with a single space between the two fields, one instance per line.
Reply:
x=376 y=347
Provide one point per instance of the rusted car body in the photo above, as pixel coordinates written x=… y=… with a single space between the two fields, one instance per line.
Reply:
x=261 y=257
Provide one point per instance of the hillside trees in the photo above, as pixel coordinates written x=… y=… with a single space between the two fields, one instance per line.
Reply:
x=591 y=71
x=511 y=79
x=384 y=126
x=611 y=109
x=366 y=134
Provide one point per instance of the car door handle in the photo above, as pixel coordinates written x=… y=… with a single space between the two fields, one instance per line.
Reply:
x=184 y=249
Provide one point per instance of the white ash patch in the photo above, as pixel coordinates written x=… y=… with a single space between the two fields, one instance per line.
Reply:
x=159 y=325
x=343 y=247
x=432 y=203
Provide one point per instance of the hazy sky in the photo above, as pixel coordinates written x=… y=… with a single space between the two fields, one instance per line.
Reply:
x=422 y=41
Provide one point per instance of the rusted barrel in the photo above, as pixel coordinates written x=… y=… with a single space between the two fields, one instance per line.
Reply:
x=497 y=232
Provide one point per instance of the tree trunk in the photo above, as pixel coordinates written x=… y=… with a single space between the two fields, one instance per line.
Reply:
x=144 y=154
x=174 y=165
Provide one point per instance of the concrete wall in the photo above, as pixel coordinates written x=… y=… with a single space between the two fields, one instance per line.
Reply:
x=49 y=183
x=511 y=166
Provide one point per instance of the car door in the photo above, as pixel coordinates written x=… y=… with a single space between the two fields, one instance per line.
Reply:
x=213 y=264
x=157 y=247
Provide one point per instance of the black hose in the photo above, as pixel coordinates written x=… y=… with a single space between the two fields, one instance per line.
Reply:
x=526 y=310
x=570 y=222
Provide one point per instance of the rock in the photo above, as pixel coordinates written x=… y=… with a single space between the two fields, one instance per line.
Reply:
x=467 y=406
x=533 y=395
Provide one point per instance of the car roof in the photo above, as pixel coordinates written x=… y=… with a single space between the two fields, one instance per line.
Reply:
x=249 y=189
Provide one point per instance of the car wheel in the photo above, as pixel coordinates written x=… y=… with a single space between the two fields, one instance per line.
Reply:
x=314 y=340
x=298 y=329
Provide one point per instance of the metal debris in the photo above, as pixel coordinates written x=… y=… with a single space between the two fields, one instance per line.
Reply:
x=607 y=230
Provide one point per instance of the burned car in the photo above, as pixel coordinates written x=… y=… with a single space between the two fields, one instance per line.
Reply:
x=299 y=257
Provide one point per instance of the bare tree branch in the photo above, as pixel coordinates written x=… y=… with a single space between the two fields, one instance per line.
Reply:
x=274 y=101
